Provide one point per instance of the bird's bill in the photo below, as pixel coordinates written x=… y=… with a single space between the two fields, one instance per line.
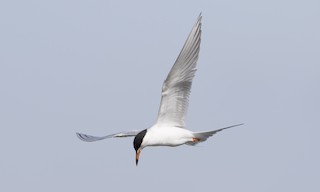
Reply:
x=137 y=156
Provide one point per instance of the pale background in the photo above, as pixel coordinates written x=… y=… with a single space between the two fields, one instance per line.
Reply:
x=97 y=67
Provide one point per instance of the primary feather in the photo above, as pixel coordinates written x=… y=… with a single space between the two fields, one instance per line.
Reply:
x=176 y=88
x=90 y=138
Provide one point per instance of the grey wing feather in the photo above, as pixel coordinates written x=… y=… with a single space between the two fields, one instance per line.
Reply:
x=202 y=136
x=176 y=88
x=90 y=138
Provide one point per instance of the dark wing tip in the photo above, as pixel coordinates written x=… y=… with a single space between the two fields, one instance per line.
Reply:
x=87 y=138
x=81 y=136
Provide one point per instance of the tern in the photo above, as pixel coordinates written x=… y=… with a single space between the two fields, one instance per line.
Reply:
x=169 y=129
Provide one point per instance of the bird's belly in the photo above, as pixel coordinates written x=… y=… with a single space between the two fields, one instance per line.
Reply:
x=170 y=137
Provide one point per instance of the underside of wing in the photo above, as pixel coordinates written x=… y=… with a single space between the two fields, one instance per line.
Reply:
x=90 y=138
x=176 y=88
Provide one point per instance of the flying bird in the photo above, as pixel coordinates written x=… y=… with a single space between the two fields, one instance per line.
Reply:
x=170 y=129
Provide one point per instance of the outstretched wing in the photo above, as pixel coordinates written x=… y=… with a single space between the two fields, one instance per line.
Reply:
x=176 y=88
x=90 y=138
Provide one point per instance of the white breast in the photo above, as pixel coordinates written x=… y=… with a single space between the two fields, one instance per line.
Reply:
x=166 y=136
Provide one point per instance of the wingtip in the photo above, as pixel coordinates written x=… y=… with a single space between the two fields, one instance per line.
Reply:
x=232 y=126
x=200 y=16
x=237 y=125
x=82 y=137
x=79 y=136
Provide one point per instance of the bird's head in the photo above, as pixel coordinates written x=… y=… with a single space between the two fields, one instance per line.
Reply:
x=137 y=142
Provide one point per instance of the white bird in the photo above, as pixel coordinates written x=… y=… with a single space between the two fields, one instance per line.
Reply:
x=169 y=129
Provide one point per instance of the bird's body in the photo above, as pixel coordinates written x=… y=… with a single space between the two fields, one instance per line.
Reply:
x=169 y=129
x=166 y=136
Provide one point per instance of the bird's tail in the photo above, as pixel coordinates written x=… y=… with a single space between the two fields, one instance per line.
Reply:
x=202 y=136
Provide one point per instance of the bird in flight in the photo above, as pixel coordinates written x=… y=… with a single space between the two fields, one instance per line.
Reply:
x=169 y=129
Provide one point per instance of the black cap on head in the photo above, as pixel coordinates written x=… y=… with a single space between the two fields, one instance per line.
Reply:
x=138 y=139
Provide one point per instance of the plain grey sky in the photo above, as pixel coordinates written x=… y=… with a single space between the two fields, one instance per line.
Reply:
x=97 y=67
